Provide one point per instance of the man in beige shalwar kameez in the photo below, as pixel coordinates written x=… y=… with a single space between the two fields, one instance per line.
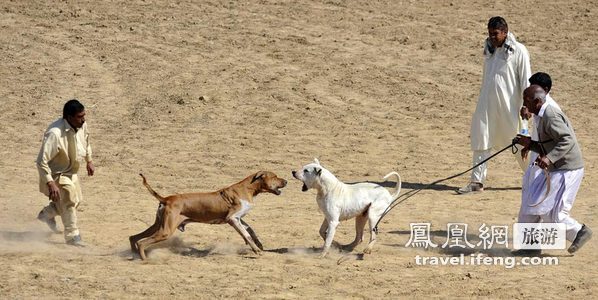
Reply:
x=65 y=146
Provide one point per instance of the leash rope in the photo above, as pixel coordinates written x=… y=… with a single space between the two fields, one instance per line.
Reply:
x=547 y=175
x=412 y=193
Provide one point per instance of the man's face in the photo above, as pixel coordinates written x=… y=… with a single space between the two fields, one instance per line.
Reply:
x=77 y=120
x=530 y=103
x=497 y=36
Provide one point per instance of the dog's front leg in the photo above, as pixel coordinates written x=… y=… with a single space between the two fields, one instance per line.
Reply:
x=236 y=224
x=329 y=237
x=323 y=229
x=252 y=234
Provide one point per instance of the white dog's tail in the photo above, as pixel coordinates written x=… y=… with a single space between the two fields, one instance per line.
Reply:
x=398 y=192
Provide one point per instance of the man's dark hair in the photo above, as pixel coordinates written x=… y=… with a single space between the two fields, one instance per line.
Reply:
x=498 y=23
x=71 y=108
x=542 y=79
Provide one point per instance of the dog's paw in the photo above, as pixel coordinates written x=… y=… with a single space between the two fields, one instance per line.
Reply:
x=367 y=251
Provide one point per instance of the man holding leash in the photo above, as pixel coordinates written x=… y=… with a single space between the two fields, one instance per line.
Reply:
x=496 y=119
x=64 y=147
x=545 y=82
x=549 y=196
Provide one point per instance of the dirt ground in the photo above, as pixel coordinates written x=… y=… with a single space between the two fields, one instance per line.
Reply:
x=198 y=95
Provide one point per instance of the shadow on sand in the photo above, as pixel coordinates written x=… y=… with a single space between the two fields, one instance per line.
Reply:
x=434 y=187
x=295 y=250
x=25 y=236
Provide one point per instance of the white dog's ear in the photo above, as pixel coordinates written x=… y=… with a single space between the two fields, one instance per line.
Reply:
x=318 y=171
x=317 y=161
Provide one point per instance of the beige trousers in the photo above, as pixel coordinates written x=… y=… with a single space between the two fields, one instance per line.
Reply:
x=66 y=208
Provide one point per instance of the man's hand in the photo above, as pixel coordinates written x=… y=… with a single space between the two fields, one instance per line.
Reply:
x=54 y=191
x=543 y=162
x=90 y=168
x=522 y=140
x=524 y=153
x=524 y=113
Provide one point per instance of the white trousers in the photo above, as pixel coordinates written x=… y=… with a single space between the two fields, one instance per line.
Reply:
x=565 y=195
x=479 y=173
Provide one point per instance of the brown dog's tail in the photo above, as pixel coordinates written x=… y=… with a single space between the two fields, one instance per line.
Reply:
x=154 y=193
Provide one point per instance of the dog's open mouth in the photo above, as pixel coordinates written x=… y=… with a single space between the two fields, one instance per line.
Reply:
x=276 y=190
x=304 y=188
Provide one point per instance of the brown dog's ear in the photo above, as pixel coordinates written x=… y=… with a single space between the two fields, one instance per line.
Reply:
x=257 y=176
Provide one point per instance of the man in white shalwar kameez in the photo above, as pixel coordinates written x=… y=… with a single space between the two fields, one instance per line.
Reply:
x=496 y=119
x=559 y=162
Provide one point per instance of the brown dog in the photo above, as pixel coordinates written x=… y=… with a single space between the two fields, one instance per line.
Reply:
x=227 y=205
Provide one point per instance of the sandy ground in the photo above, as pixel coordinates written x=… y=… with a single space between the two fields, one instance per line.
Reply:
x=199 y=94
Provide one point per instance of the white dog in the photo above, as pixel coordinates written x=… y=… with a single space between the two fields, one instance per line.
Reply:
x=339 y=201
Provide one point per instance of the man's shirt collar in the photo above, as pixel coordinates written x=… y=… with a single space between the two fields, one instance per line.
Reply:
x=67 y=127
x=542 y=109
